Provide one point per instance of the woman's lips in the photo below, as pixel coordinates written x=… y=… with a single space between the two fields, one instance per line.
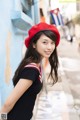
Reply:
x=48 y=52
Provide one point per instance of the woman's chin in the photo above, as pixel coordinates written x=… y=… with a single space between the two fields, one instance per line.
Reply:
x=47 y=56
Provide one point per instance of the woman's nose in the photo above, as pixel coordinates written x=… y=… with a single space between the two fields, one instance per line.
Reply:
x=49 y=46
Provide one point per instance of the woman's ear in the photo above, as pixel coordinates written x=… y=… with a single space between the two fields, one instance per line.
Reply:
x=34 y=45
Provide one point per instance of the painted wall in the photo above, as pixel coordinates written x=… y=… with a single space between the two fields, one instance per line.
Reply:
x=11 y=46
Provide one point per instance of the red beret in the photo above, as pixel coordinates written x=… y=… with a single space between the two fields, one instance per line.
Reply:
x=39 y=27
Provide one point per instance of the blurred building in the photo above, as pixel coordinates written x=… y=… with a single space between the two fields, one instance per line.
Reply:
x=70 y=10
x=44 y=7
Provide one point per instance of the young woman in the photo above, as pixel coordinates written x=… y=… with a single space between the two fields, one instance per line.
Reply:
x=41 y=42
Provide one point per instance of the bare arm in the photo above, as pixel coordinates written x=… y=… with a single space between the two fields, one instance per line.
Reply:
x=17 y=92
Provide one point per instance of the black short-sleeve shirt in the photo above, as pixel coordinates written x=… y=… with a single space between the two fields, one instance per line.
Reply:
x=24 y=106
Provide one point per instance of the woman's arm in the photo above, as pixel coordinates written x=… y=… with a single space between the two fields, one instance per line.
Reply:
x=17 y=92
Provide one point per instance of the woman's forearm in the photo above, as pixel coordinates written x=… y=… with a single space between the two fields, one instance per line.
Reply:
x=6 y=108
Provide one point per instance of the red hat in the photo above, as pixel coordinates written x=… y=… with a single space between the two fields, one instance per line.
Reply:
x=40 y=27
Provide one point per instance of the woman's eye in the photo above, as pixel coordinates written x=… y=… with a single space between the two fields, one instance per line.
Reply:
x=45 y=42
x=52 y=43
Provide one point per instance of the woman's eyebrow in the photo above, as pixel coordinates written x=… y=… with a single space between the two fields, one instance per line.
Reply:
x=47 y=40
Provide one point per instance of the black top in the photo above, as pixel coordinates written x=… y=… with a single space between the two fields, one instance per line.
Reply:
x=24 y=106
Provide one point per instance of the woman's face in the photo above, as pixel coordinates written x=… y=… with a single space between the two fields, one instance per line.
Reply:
x=45 y=46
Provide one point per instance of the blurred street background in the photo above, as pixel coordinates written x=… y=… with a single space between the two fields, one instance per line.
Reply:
x=62 y=100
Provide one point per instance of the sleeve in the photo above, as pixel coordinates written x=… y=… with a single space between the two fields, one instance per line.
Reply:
x=29 y=73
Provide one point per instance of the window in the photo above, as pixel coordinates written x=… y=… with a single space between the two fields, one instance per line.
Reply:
x=27 y=6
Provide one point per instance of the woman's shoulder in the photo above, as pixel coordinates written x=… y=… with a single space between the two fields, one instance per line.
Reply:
x=32 y=65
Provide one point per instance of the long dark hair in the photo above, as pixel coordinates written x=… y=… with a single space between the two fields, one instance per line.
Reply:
x=32 y=55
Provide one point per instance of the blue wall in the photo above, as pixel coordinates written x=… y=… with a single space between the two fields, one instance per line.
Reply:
x=11 y=45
